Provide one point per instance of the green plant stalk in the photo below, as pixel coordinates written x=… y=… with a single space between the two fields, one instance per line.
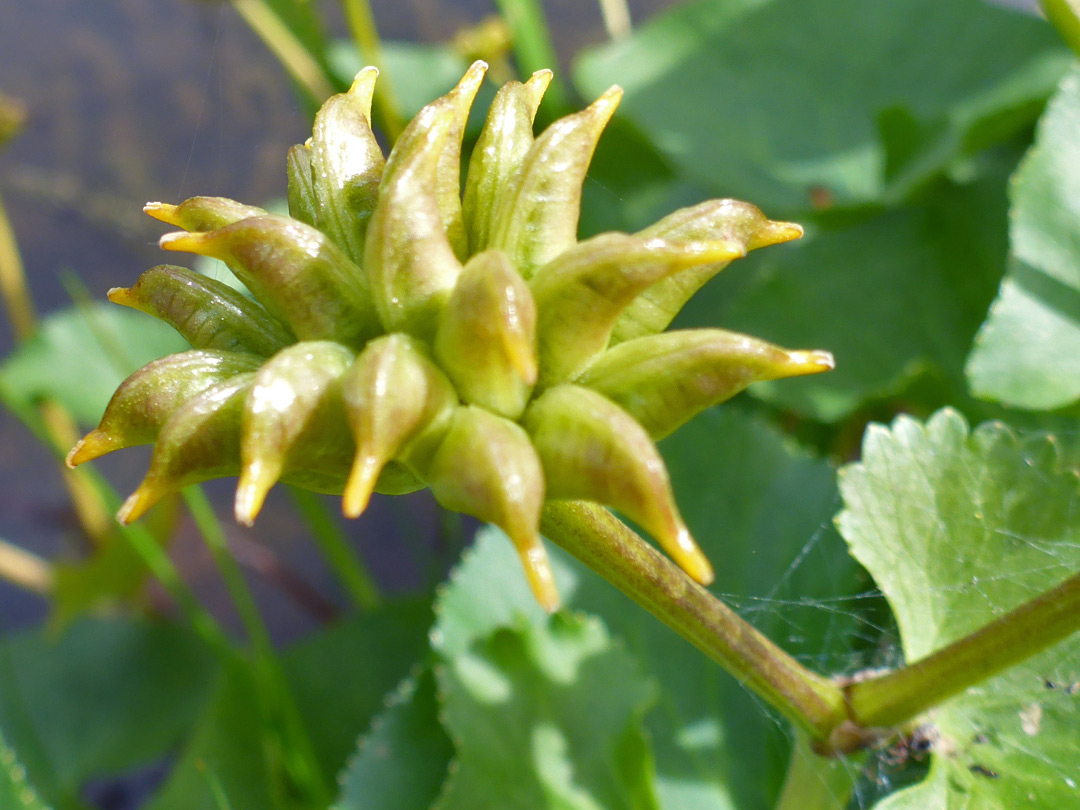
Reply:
x=532 y=44
x=286 y=47
x=895 y=697
x=24 y=569
x=59 y=428
x=161 y=567
x=17 y=300
x=293 y=745
x=815 y=782
x=362 y=27
x=343 y=558
x=1065 y=15
x=616 y=18
x=597 y=538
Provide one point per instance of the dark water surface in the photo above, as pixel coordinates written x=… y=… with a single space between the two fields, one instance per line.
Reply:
x=136 y=100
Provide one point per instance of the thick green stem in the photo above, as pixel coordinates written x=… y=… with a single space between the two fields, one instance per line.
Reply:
x=1065 y=15
x=294 y=746
x=815 y=782
x=895 y=697
x=348 y=567
x=605 y=544
x=286 y=47
x=366 y=35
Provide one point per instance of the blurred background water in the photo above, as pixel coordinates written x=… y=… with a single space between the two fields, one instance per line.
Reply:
x=137 y=100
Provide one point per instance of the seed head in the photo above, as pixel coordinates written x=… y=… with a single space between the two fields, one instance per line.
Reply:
x=404 y=333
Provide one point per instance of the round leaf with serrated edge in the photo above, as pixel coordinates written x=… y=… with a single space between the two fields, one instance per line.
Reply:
x=958 y=526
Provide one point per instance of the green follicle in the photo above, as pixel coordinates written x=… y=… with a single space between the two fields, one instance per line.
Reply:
x=500 y=150
x=486 y=341
x=487 y=467
x=593 y=450
x=202 y=213
x=346 y=166
x=581 y=294
x=409 y=258
x=538 y=218
x=730 y=220
x=664 y=380
x=293 y=270
x=294 y=409
x=301 y=194
x=200 y=441
x=439 y=128
x=207 y=313
x=391 y=393
x=145 y=400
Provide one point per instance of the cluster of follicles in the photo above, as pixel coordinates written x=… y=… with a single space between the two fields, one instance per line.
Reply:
x=399 y=332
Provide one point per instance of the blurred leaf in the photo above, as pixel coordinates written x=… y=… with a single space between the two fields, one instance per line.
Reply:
x=538 y=724
x=403 y=760
x=420 y=73
x=79 y=356
x=226 y=748
x=957 y=527
x=15 y=792
x=761 y=512
x=1028 y=352
x=339 y=677
x=892 y=295
x=103 y=697
x=630 y=185
x=778 y=102
x=113 y=574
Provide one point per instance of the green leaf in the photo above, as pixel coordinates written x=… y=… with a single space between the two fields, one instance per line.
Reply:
x=15 y=792
x=338 y=678
x=340 y=675
x=226 y=750
x=403 y=760
x=104 y=697
x=760 y=511
x=537 y=723
x=79 y=356
x=893 y=295
x=957 y=527
x=1026 y=354
x=777 y=102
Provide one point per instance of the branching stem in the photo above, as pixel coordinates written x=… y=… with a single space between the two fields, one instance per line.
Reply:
x=897 y=696
x=605 y=544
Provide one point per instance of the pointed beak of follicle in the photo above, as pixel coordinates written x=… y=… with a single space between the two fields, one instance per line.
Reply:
x=164 y=212
x=809 y=362
x=361 y=484
x=775 y=233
